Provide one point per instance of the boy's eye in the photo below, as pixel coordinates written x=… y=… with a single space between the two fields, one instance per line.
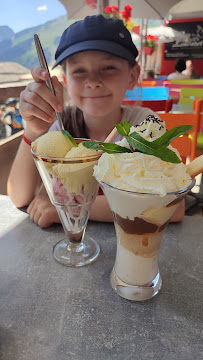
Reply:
x=109 y=67
x=78 y=71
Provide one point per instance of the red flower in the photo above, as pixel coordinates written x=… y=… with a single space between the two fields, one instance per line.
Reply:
x=108 y=9
x=112 y=9
x=151 y=37
x=126 y=14
x=115 y=8
x=128 y=8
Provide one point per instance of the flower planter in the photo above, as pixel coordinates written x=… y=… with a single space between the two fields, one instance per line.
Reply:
x=136 y=29
x=148 y=50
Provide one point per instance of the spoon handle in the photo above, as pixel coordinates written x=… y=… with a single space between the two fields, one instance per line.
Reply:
x=43 y=64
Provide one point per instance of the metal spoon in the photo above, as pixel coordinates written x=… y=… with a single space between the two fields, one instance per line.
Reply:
x=43 y=64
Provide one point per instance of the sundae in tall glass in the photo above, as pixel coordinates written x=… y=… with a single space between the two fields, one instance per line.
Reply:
x=144 y=180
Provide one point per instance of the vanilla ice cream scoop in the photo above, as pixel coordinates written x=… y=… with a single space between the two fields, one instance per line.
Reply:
x=77 y=176
x=53 y=143
x=80 y=151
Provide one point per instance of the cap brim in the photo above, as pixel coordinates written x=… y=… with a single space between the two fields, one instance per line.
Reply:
x=96 y=45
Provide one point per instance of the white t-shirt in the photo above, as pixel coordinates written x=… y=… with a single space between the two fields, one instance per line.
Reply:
x=134 y=115
x=177 y=75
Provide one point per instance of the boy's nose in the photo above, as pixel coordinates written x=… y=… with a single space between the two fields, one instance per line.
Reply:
x=94 y=80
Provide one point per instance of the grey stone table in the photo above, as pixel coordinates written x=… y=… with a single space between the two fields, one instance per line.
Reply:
x=52 y=312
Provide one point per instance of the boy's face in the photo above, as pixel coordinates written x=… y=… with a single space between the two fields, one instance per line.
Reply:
x=97 y=81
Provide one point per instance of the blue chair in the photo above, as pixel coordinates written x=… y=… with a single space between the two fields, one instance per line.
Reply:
x=148 y=93
x=161 y=77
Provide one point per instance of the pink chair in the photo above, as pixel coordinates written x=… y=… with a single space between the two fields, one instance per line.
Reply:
x=174 y=89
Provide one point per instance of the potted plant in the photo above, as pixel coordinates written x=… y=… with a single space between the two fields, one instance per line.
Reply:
x=149 y=44
x=125 y=15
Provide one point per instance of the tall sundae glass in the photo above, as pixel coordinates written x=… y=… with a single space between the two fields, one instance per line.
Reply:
x=140 y=220
x=144 y=180
x=72 y=189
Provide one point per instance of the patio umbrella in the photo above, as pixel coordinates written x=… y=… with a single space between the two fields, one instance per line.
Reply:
x=186 y=9
x=147 y=9
x=151 y=9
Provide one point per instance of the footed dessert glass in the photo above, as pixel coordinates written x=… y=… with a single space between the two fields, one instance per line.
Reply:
x=72 y=189
x=140 y=220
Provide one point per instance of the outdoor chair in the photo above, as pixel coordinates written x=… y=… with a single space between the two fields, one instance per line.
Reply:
x=155 y=105
x=186 y=144
x=187 y=81
x=187 y=95
x=197 y=197
x=148 y=83
x=175 y=88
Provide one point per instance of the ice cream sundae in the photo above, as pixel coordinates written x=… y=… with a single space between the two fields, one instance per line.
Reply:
x=144 y=180
x=66 y=168
x=72 y=181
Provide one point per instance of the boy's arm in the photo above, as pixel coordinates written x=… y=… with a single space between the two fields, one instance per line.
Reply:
x=179 y=213
x=100 y=210
x=24 y=179
x=37 y=107
x=43 y=213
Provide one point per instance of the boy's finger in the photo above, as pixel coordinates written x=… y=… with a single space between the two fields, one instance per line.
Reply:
x=39 y=74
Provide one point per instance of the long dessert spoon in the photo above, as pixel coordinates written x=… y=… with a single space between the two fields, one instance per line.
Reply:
x=43 y=64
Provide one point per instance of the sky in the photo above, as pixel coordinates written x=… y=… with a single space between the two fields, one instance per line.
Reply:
x=23 y=14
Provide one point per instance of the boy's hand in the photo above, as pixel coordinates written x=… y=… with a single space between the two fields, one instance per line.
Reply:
x=38 y=104
x=42 y=211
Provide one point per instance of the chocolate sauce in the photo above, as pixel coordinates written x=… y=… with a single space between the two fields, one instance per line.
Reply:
x=162 y=227
x=75 y=238
x=137 y=226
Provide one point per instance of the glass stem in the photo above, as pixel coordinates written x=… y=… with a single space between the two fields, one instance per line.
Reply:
x=74 y=236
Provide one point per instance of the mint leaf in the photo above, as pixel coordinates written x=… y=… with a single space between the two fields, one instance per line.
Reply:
x=147 y=147
x=123 y=128
x=166 y=138
x=65 y=132
x=107 y=147
x=156 y=148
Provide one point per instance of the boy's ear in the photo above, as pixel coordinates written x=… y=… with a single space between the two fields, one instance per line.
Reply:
x=134 y=76
x=65 y=80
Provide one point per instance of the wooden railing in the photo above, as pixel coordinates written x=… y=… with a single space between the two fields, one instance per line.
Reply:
x=13 y=91
x=8 y=149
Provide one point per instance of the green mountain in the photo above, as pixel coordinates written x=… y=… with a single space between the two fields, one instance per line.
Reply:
x=20 y=47
x=6 y=33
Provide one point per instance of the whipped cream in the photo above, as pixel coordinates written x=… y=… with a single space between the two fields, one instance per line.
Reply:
x=140 y=172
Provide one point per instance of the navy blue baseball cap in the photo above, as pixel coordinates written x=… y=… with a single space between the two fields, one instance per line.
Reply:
x=96 y=33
